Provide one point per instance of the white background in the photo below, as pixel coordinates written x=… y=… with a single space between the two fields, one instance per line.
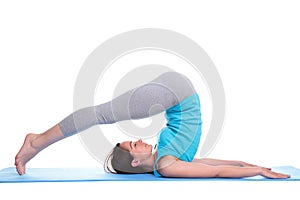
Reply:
x=255 y=46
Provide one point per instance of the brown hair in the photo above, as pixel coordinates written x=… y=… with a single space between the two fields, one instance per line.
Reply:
x=120 y=161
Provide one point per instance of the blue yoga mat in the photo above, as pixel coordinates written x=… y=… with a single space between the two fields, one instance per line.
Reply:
x=9 y=175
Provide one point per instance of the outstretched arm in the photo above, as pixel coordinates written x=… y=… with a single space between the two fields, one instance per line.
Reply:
x=171 y=167
x=217 y=162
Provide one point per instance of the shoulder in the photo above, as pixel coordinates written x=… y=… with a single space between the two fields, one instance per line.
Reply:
x=165 y=164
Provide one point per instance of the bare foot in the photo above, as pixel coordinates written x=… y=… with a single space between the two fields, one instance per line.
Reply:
x=27 y=152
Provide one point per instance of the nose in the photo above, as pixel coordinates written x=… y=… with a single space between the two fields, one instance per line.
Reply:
x=140 y=141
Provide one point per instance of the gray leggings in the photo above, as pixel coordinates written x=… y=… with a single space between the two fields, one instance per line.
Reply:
x=152 y=98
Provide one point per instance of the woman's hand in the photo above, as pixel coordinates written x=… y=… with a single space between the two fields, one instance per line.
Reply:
x=266 y=171
x=270 y=174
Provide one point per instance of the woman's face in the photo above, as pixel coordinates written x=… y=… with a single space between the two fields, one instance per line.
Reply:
x=137 y=149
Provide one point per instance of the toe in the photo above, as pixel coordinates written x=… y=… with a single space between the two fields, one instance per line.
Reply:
x=20 y=169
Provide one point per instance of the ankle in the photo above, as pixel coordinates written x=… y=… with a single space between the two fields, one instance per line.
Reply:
x=36 y=141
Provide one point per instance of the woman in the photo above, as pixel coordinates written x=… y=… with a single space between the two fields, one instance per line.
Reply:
x=178 y=142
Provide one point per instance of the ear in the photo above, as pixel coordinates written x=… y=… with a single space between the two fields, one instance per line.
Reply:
x=135 y=162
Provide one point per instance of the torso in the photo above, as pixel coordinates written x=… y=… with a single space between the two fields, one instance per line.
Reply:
x=181 y=136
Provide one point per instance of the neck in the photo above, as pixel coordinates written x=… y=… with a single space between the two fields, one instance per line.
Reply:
x=148 y=164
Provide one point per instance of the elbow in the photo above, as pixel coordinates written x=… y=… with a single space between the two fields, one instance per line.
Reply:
x=212 y=172
x=218 y=172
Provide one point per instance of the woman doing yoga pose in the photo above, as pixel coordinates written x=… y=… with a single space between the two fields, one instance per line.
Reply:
x=178 y=141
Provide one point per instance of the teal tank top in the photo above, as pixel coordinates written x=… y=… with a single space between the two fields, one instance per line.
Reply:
x=181 y=136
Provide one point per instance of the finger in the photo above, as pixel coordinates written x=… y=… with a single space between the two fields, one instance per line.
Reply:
x=283 y=175
x=280 y=175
